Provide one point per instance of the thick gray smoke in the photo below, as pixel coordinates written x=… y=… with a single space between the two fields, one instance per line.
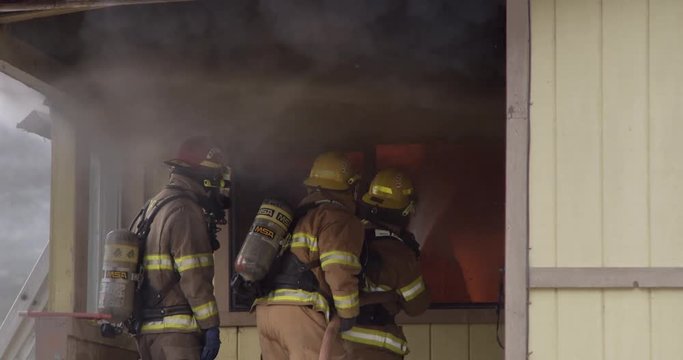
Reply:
x=431 y=36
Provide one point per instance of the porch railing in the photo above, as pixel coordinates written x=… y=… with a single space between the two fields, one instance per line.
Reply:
x=17 y=333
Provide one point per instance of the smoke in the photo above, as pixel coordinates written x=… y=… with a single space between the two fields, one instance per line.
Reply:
x=278 y=81
x=259 y=70
x=430 y=36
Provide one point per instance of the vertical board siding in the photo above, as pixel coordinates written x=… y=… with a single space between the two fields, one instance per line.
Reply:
x=666 y=131
x=543 y=325
x=483 y=343
x=667 y=324
x=580 y=327
x=418 y=341
x=449 y=342
x=626 y=240
x=625 y=129
x=607 y=118
x=627 y=324
x=248 y=343
x=578 y=89
x=426 y=342
x=542 y=205
x=578 y=59
x=228 y=349
x=666 y=169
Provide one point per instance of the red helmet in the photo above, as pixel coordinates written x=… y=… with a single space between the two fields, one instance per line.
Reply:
x=199 y=152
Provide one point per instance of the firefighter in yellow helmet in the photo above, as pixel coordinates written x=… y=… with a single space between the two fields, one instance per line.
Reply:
x=391 y=279
x=317 y=277
x=178 y=318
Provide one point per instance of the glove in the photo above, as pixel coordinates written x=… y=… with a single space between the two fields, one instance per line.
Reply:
x=346 y=324
x=212 y=343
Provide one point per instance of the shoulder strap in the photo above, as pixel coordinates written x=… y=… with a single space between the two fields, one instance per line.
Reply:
x=406 y=237
x=145 y=223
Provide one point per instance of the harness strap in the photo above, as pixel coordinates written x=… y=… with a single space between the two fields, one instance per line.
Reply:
x=375 y=314
x=144 y=225
x=161 y=312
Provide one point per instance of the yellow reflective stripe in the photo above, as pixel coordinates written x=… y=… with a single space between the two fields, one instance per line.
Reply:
x=205 y=311
x=194 y=261
x=412 y=290
x=173 y=322
x=314 y=299
x=339 y=257
x=304 y=240
x=377 y=189
x=346 y=301
x=158 y=262
x=377 y=338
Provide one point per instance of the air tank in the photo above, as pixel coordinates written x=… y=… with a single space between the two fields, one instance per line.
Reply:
x=266 y=237
x=118 y=282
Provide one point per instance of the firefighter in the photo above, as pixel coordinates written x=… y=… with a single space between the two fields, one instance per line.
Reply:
x=179 y=315
x=317 y=277
x=391 y=273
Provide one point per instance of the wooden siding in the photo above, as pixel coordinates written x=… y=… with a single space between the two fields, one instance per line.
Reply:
x=606 y=173
x=427 y=342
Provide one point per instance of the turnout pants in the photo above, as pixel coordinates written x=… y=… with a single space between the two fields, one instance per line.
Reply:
x=293 y=332
x=170 y=346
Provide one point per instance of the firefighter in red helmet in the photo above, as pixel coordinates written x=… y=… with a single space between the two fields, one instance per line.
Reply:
x=178 y=316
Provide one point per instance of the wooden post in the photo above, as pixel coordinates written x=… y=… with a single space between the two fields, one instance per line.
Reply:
x=517 y=177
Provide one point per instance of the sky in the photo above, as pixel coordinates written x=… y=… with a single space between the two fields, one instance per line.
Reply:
x=24 y=189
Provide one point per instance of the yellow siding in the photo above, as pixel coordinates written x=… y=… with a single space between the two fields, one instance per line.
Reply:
x=427 y=342
x=606 y=173
x=418 y=340
x=248 y=344
x=578 y=139
x=666 y=131
x=483 y=343
x=543 y=325
x=449 y=341
x=228 y=344
x=542 y=174
x=666 y=169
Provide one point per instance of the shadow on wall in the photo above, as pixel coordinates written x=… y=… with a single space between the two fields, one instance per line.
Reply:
x=460 y=217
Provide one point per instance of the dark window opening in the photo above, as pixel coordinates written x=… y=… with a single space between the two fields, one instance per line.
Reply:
x=459 y=220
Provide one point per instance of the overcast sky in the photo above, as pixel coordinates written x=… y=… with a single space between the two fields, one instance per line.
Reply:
x=24 y=189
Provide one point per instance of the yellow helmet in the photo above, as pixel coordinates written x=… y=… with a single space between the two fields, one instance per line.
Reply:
x=390 y=189
x=332 y=171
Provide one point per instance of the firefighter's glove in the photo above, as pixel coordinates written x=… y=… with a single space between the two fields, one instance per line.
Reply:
x=212 y=342
x=346 y=324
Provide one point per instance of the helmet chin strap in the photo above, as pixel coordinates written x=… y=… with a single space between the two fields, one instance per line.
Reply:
x=384 y=216
x=410 y=209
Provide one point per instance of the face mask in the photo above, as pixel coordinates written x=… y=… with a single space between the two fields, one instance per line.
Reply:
x=387 y=216
x=219 y=190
